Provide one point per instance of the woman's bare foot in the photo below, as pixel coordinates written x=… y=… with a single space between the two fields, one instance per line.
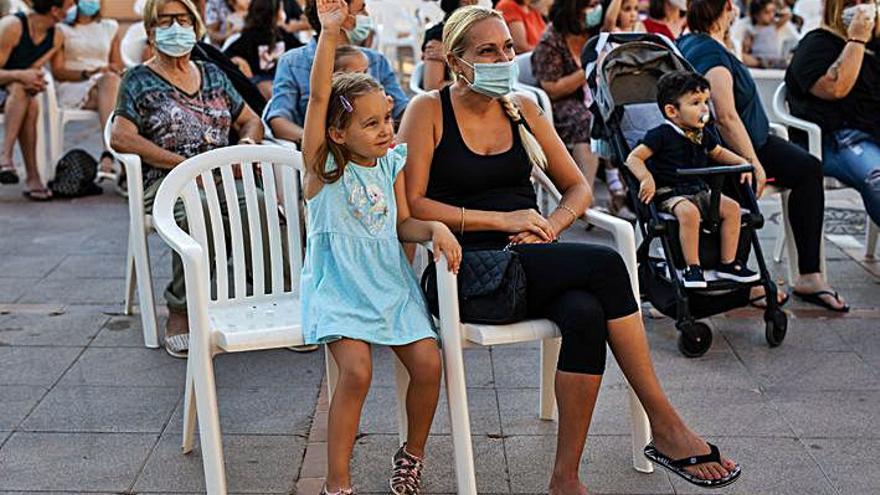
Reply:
x=685 y=443
x=757 y=296
x=567 y=487
x=178 y=323
x=812 y=283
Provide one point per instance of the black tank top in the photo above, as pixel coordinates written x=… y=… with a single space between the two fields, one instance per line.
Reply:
x=460 y=177
x=26 y=52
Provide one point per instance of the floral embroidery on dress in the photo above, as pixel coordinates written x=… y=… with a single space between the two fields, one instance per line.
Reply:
x=367 y=203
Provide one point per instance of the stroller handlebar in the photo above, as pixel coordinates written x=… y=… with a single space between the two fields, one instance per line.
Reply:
x=721 y=170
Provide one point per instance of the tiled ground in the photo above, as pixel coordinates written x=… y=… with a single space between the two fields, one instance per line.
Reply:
x=85 y=408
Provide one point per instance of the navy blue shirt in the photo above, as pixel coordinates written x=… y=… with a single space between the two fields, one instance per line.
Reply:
x=704 y=53
x=672 y=150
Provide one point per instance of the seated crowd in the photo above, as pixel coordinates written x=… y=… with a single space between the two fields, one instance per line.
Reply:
x=312 y=63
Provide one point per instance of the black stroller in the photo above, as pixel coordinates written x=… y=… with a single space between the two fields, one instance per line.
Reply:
x=623 y=70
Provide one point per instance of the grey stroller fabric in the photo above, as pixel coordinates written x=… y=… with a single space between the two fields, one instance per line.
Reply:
x=637 y=119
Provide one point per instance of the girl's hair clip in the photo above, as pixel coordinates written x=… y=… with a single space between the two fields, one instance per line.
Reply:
x=346 y=104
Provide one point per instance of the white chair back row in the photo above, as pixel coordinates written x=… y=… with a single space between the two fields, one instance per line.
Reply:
x=263 y=318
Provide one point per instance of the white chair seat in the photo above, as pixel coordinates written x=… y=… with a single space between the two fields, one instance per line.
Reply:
x=261 y=322
x=524 y=331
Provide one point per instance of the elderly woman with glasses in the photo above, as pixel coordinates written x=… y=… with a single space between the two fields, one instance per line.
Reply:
x=171 y=108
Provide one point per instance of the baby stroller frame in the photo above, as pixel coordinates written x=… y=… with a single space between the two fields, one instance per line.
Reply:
x=623 y=77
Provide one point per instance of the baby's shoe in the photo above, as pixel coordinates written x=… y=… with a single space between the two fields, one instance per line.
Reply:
x=693 y=277
x=737 y=272
x=406 y=476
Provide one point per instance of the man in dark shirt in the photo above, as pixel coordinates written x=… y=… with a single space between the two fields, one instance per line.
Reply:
x=684 y=141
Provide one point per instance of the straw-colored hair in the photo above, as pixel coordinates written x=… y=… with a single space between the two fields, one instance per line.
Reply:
x=151 y=15
x=455 y=42
x=348 y=86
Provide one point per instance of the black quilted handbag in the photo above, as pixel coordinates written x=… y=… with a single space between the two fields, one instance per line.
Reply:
x=491 y=287
x=75 y=175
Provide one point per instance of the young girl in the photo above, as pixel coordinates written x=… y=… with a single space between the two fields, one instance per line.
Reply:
x=627 y=18
x=357 y=287
x=762 y=45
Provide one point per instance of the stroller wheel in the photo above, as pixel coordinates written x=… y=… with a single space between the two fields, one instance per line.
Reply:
x=694 y=339
x=776 y=326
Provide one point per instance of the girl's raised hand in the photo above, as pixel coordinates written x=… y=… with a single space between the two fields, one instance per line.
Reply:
x=332 y=13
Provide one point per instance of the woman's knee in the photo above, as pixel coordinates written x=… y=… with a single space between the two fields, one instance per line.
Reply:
x=610 y=262
x=109 y=81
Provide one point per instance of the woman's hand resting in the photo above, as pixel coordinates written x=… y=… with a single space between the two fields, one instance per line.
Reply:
x=445 y=244
x=528 y=222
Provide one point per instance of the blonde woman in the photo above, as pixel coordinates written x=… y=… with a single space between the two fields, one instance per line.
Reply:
x=472 y=146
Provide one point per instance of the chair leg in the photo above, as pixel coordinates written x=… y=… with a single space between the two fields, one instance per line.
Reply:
x=641 y=433
x=208 y=414
x=189 y=410
x=871 y=234
x=130 y=279
x=145 y=289
x=460 y=422
x=790 y=246
x=401 y=378
x=332 y=373
x=549 y=357
x=779 y=247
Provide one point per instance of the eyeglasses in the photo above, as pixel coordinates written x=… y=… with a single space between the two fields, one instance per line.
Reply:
x=183 y=20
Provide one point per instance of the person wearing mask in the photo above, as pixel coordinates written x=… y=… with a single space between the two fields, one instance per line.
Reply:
x=834 y=81
x=471 y=150
x=88 y=65
x=262 y=43
x=745 y=129
x=170 y=109
x=436 y=75
x=666 y=17
x=27 y=42
x=287 y=110
x=525 y=23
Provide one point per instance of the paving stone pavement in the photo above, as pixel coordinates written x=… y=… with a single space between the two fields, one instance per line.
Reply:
x=85 y=408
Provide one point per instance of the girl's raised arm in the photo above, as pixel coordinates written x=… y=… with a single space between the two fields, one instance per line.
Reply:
x=331 y=13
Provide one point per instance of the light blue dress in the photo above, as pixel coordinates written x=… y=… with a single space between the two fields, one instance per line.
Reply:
x=356 y=280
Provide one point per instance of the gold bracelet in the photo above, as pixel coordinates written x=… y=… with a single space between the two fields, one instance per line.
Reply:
x=461 y=227
x=574 y=215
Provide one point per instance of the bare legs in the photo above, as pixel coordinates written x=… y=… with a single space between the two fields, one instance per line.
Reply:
x=20 y=113
x=576 y=395
x=103 y=99
x=422 y=361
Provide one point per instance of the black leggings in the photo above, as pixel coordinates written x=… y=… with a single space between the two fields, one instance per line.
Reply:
x=794 y=168
x=579 y=287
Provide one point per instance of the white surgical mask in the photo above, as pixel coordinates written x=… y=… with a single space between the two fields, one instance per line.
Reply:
x=679 y=4
x=493 y=80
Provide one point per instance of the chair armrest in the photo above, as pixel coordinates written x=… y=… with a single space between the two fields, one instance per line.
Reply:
x=447 y=297
x=814 y=133
x=721 y=170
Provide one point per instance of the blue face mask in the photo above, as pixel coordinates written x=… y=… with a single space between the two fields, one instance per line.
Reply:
x=175 y=40
x=362 y=29
x=88 y=8
x=70 y=18
x=493 y=80
x=594 y=16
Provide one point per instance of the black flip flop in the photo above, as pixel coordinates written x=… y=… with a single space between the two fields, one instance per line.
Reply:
x=816 y=298
x=8 y=175
x=754 y=300
x=38 y=195
x=678 y=466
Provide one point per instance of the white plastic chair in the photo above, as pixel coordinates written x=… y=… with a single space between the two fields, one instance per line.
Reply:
x=417 y=79
x=814 y=144
x=430 y=13
x=527 y=84
x=241 y=322
x=767 y=82
x=59 y=117
x=396 y=28
x=456 y=336
x=137 y=259
x=132 y=45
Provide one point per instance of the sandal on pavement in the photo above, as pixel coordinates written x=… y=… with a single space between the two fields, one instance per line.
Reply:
x=177 y=346
x=678 y=466
x=816 y=298
x=8 y=175
x=753 y=302
x=38 y=195
x=343 y=491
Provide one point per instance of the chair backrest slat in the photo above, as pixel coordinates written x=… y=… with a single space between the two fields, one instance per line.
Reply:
x=255 y=228
x=290 y=181
x=273 y=223
x=235 y=225
x=218 y=231
x=195 y=216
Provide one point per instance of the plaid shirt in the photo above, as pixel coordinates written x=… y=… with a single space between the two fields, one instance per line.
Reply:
x=291 y=87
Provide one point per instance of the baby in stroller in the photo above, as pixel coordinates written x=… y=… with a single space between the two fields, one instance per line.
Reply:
x=686 y=141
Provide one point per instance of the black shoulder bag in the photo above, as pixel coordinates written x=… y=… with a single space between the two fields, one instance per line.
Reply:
x=491 y=287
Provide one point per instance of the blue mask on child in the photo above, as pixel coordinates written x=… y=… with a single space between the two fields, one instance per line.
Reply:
x=175 y=40
x=494 y=80
x=362 y=29
x=594 y=17
x=70 y=18
x=88 y=8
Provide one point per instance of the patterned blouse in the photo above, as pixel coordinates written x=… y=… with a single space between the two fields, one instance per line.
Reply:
x=186 y=124
x=551 y=61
